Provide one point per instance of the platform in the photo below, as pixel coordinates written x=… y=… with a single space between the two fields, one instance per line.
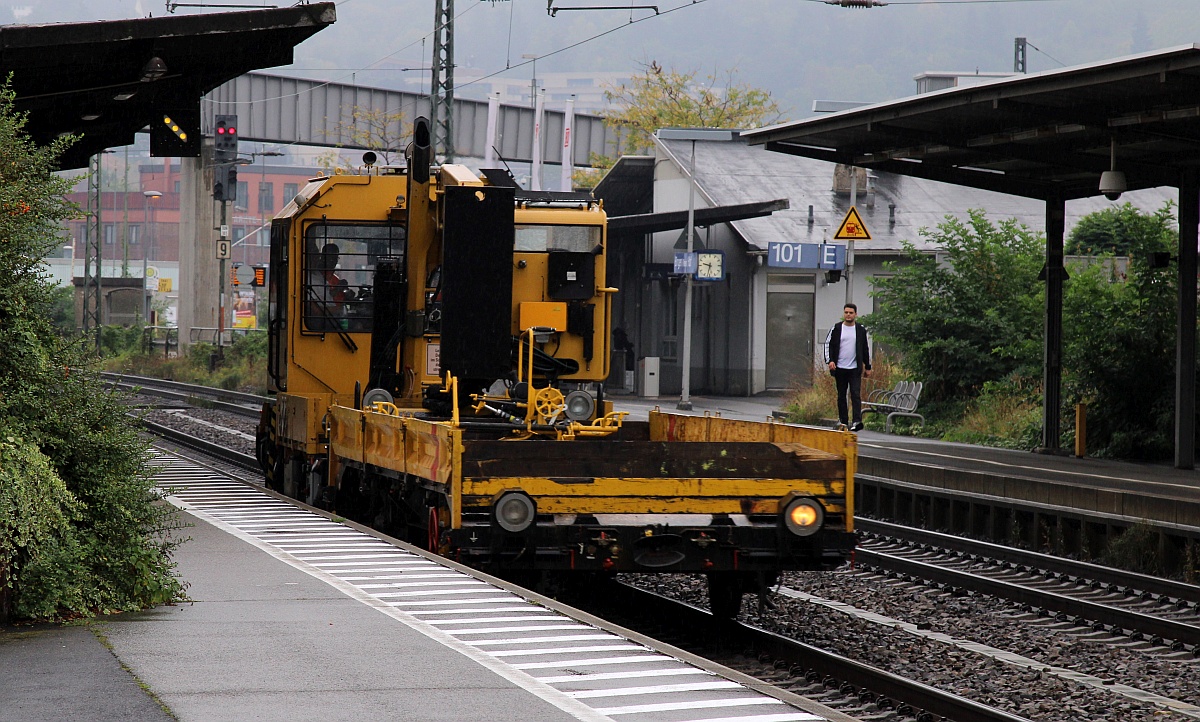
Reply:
x=296 y=616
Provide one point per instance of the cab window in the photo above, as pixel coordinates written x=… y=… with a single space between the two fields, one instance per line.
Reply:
x=339 y=272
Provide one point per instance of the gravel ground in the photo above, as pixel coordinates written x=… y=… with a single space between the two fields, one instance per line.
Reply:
x=1029 y=693
x=234 y=431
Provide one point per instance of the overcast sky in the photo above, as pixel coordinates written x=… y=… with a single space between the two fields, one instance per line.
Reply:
x=800 y=50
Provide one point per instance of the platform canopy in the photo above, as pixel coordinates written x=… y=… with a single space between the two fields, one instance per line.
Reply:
x=108 y=80
x=1045 y=135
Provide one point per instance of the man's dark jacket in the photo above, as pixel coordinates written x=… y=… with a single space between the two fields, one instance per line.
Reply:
x=862 y=350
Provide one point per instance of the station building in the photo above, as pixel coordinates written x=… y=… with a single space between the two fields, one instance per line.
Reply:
x=761 y=328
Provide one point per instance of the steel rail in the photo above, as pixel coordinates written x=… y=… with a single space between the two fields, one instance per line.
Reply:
x=1059 y=565
x=1116 y=617
x=236 y=458
x=234 y=402
x=898 y=689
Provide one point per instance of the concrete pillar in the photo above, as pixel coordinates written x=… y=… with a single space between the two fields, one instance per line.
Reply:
x=199 y=297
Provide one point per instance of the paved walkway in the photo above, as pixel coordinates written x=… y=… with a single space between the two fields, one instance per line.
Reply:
x=261 y=640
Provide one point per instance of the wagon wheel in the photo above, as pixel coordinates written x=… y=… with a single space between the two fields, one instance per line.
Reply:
x=548 y=404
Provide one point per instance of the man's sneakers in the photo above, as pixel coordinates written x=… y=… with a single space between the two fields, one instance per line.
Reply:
x=856 y=426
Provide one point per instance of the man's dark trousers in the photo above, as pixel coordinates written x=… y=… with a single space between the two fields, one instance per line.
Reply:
x=849 y=379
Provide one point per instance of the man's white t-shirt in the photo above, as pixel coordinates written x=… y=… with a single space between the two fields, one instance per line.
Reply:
x=847 y=357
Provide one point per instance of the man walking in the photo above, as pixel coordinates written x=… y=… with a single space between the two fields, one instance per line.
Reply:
x=848 y=354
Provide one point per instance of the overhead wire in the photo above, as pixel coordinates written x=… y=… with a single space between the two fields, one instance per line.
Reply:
x=597 y=36
x=691 y=3
x=343 y=76
x=1048 y=55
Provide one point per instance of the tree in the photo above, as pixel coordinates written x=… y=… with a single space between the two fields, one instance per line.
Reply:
x=1120 y=231
x=382 y=131
x=79 y=527
x=658 y=98
x=1119 y=335
x=972 y=318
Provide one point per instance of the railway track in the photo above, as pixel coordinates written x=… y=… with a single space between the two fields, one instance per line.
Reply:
x=1160 y=611
x=837 y=681
x=1027 y=676
x=234 y=402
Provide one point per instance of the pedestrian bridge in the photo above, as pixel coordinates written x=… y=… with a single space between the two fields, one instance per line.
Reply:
x=279 y=109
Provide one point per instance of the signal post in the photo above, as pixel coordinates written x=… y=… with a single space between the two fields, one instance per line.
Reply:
x=225 y=147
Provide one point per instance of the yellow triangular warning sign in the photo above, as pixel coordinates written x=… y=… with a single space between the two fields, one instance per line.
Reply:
x=852 y=228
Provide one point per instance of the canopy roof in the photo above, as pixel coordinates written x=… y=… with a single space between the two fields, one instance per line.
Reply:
x=1044 y=135
x=108 y=80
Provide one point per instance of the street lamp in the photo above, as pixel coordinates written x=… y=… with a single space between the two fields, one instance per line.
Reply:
x=70 y=248
x=692 y=134
x=533 y=81
x=151 y=196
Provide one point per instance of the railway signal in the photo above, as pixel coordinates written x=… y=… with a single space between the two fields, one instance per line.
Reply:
x=225 y=136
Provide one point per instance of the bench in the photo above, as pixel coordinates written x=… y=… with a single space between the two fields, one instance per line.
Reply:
x=900 y=400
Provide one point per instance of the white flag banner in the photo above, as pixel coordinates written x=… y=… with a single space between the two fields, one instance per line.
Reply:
x=489 y=150
x=568 y=146
x=535 y=169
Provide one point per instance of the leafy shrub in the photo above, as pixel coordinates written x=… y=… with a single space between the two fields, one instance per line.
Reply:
x=121 y=340
x=1136 y=550
x=1006 y=413
x=38 y=545
x=243 y=369
x=971 y=318
x=812 y=404
x=81 y=529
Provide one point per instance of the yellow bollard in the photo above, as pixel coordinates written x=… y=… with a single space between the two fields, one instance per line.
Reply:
x=1080 y=430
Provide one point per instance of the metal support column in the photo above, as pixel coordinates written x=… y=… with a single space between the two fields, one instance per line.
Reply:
x=221 y=305
x=93 y=298
x=1185 y=339
x=1054 y=274
x=441 y=95
x=685 y=397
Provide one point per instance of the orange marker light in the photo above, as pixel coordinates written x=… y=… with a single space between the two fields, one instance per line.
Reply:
x=803 y=515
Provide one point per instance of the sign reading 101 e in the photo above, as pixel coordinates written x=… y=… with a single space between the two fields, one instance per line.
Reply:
x=827 y=256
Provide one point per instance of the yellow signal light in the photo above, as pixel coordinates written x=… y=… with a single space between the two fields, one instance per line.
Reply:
x=175 y=128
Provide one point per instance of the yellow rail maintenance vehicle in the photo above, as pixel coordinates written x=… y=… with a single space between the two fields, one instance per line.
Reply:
x=438 y=346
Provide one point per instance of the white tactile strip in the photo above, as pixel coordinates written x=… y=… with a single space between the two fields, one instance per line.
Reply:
x=588 y=672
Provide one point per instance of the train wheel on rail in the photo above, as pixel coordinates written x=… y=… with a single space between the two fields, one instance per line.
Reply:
x=433 y=530
x=725 y=591
x=266 y=449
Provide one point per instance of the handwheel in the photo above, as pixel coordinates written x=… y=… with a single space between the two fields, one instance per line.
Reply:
x=548 y=404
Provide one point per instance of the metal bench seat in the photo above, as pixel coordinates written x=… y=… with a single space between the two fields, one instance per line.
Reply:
x=900 y=400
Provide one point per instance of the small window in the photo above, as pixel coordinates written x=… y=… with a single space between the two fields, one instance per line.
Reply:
x=110 y=234
x=289 y=192
x=242 y=201
x=266 y=196
x=339 y=270
x=579 y=239
x=135 y=235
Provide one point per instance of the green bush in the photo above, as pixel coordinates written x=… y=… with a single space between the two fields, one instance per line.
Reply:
x=244 y=367
x=82 y=529
x=1006 y=413
x=39 y=548
x=969 y=318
